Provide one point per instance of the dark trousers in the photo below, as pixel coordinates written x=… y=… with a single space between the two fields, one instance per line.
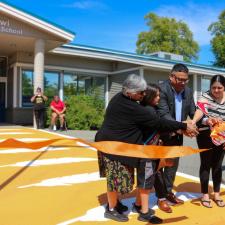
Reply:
x=39 y=117
x=164 y=179
x=211 y=159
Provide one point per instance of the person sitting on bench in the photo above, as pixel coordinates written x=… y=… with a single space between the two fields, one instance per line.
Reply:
x=58 y=111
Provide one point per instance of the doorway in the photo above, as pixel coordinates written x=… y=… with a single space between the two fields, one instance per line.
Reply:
x=2 y=101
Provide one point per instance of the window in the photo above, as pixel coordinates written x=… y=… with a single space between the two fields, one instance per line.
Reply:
x=85 y=84
x=167 y=56
x=205 y=84
x=51 y=86
x=76 y=84
x=3 y=65
x=27 y=87
x=73 y=84
x=69 y=85
x=99 y=87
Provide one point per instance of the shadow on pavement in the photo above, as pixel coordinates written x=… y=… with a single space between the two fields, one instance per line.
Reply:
x=14 y=176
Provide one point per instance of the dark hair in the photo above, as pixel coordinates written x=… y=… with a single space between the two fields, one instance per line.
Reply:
x=151 y=93
x=217 y=78
x=179 y=68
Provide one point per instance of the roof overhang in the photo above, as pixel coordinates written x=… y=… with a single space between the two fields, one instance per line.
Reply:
x=36 y=22
x=148 y=62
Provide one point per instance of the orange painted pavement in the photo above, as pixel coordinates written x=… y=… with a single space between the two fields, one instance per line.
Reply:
x=48 y=186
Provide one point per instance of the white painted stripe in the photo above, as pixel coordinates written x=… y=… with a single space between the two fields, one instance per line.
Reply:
x=97 y=214
x=67 y=136
x=61 y=135
x=54 y=161
x=67 y=180
x=27 y=150
x=28 y=139
x=88 y=146
x=10 y=133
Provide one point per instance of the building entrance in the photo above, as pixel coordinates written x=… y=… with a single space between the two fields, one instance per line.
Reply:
x=2 y=101
x=3 y=81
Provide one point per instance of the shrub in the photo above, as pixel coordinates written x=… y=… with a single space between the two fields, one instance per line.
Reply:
x=84 y=112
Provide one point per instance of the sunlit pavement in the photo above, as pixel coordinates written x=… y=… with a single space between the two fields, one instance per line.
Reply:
x=61 y=185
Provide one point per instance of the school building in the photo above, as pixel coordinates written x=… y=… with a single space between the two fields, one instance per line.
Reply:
x=37 y=53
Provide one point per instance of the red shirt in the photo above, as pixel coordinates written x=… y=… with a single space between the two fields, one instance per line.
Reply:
x=58 y=105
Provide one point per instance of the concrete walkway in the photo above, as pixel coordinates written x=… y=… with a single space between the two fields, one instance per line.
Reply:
x=83 y=134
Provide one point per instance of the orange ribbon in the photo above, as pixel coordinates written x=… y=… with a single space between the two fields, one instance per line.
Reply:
x=121 y=148
x=144 y=151
x=110 y=147
x=13 y=143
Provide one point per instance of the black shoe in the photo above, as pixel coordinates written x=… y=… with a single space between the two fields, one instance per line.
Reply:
x=61 y=129
x=137 y=209
x=120 y=207
x=115 y=215
x=148 y=217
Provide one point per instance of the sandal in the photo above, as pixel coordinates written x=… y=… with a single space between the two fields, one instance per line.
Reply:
x=219 y=202
x=206 y=203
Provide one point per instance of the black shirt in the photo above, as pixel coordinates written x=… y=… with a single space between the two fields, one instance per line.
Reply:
x=39 y=102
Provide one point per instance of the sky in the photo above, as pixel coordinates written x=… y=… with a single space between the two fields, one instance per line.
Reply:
x=115 y=24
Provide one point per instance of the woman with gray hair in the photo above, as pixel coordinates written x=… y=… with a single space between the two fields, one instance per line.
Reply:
x=134 y=84
x=124 y=120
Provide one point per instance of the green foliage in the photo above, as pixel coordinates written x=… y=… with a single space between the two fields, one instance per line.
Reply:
x=168 y=35
x=84 y=112
x=217 y=29
x=69 y=89
x=50 y=89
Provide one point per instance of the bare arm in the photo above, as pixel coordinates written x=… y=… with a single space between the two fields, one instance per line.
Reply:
x=197 y=116
x=33 y=98
x=207 y=120
x=64 y=109
x=55 y=110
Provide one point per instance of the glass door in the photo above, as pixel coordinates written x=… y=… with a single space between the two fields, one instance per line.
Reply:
x=3 y=66
x=2 y=101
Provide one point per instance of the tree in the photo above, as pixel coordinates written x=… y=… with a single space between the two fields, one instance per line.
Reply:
x=169 y=35
x=217 y=29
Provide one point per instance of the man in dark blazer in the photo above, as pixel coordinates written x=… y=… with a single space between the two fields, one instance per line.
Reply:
x=176 y=103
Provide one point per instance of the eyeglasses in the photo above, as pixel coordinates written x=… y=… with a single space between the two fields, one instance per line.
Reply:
x=180 y=80
x=140 y=92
